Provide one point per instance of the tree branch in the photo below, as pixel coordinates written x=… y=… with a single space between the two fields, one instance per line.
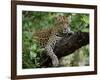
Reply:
x=67 y=45
x=71 y=43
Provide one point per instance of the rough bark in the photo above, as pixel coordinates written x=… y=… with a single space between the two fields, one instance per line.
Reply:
x=67 y=45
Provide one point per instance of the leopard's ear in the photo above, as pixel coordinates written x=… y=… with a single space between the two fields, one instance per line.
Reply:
x=59 y=17
x=55 y=19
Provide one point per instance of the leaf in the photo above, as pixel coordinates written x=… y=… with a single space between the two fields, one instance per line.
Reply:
x=29 y=23
x=85 y=30
x=40 y=50
x=33 y=47
x=33 y=55
x=85 y=19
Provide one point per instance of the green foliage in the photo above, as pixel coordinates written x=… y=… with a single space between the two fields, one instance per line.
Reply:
x=79 y=20
x=31 y=22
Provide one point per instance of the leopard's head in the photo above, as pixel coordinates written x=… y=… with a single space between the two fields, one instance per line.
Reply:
x=62 y=23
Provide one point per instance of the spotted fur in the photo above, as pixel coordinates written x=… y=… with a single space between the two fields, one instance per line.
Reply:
x=48 y=37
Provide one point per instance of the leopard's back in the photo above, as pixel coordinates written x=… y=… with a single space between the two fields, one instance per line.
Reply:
x=42 y=36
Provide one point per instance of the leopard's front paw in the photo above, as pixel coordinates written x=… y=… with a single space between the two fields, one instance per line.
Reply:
x=55 y=61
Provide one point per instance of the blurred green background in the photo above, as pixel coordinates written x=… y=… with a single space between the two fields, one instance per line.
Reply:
x=32 y=52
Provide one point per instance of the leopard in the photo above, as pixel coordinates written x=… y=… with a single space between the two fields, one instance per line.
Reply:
x=47 y=38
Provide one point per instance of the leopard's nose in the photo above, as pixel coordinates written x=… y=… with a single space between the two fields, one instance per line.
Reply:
x=65 y=30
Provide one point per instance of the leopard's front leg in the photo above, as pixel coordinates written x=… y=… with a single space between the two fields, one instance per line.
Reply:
x=52 y=55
